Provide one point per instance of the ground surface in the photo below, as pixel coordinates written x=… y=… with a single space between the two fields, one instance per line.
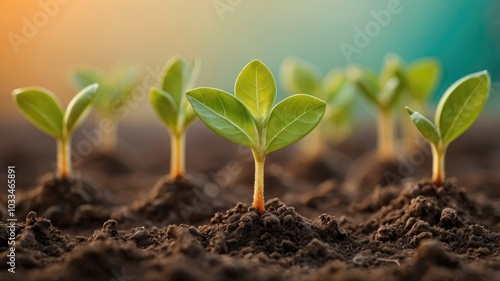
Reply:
x=350 y=219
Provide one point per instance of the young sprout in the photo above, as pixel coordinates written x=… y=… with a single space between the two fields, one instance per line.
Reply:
x=383 y=92
x=170 y=104
x=249 y=118
x=114 y=91
x=299 y=76
x=43 y=109
x=422 y=77
x=457 y=110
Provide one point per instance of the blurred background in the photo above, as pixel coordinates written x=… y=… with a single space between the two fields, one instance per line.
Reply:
x=41 y=41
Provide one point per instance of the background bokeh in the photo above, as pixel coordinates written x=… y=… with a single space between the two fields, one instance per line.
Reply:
x=41 y=41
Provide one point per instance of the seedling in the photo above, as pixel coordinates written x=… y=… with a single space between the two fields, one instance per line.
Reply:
x=383 y=92
x=170 y=104
x=457 y=110
x=423 y=76
x=115 y=90
x=300 y=76
x=249 y=118
x=43 y=109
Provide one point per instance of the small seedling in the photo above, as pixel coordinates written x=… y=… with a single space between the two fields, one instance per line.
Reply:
x=43 y=109
x=422 y=77
x=300 y=76
x=457 y=110
x=114 y=91
x=170 y=104
x=249 y=118
x=383 y=92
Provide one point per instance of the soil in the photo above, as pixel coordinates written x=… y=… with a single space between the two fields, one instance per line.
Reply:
x=65 y=202
x=174 y=201
x=128 y=221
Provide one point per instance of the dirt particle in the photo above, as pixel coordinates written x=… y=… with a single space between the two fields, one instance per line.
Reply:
x=363 y=258
x=329 y=226
x=218 y=245
x=288 y=246
x=431 y=252
x=418 y=227
x=475 y=241
x=141 y=237
x=449 y=218
x=420 y=237
x=384 y=233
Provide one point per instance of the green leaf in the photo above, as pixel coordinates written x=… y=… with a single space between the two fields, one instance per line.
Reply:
x=425 y=126
x=256 y=89
x=344 y=97
x=79 y=107
x=190 y=115
x=333 y=83
x=125 y=82
x=41 y=107
x=340 y=119
x=224 y=114
x=195 y=72
x=89 y=75
x=292 y=119
x=175 y=78
x=366 y=82
x=461 y=105
x=165 y=107
x=423 y=76
x=391 y=91
x=392 y=66
x=392 y=81
x=299 y=76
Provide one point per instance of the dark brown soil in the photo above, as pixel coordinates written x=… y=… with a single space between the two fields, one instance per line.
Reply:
x=65 y=202
x=186 y=200
x=341 y=224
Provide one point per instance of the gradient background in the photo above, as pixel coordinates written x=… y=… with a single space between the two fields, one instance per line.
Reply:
x=463 y=35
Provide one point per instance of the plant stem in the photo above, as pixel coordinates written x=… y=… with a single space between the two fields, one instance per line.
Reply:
x=64 y=158
x=438 y=174
x=109 y=138
x=258 y=195
x=385 y=142
x=313 y=145
x=178 y=156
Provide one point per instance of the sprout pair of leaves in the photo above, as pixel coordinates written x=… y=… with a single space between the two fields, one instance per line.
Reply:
x=44 y=110
x=300 y=76
x=422 y=77
x=249 y=118
x=170 y=104
x=115 y=86
x=169 y=99
x=383 y=90
x=457 y=110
